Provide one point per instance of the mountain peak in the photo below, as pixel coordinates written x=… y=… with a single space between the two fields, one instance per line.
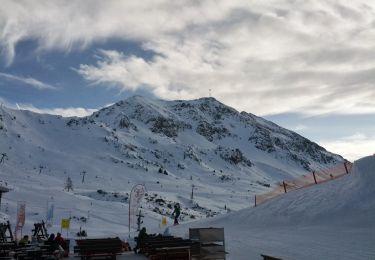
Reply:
x=167 y=145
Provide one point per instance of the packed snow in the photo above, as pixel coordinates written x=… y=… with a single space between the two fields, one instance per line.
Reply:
x=333 y=220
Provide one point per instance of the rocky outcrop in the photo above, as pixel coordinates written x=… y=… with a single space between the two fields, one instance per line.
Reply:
x=210 y=131
x=167 y=126
x=233 y=156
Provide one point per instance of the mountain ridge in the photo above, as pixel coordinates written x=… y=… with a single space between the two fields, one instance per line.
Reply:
x=168 y=145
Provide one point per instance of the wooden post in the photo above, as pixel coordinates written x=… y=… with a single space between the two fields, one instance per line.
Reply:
x=284 y=184
x=255 y=201
x=315 y=178
x=346 y=168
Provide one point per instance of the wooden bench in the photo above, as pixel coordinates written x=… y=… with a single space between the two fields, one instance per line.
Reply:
x=29 y=254
x=152 y=239
x=267 y=257
x=103 y=247
x=172 y=253
x=48 y=250
x=5 y=247
x=173 y=248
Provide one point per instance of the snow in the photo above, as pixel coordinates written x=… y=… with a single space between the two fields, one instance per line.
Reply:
x=333 y=220
x=44 y=150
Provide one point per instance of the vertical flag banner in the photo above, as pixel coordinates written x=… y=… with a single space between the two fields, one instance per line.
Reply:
x=21 y=214
x=136 y=196
x=65 y=223
x=49 y=213
x=163 y=221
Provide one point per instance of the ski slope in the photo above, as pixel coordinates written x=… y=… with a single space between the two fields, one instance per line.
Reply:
x=333 y=220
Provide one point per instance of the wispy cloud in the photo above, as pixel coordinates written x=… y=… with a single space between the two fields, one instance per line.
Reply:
x=352 y=147
x=265 y=57
x=299 y=127
x=65 y=112
x=27 y=81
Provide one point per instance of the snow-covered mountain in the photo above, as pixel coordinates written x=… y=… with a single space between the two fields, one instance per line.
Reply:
x=167 y=145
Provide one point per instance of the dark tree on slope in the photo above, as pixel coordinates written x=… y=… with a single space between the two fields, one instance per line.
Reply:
x=3 y=157
x=83 y=173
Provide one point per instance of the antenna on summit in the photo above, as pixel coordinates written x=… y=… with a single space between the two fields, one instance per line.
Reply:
x=209 y=92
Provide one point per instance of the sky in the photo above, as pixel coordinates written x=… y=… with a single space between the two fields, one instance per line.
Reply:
x=307 y=65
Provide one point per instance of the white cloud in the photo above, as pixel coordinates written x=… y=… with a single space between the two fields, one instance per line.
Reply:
x=299 y=127
x=27 y=81
x=352 y=147
x=264 y=57
x=65 y=112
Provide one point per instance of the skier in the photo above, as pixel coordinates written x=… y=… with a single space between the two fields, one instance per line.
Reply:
x=176 y=213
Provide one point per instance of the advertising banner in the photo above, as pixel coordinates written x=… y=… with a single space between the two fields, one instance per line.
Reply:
x=65 y=223
x=21 y=214
x=50 y=212
x=136 y=196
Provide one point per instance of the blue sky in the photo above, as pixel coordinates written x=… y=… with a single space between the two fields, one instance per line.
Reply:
x=306 y=65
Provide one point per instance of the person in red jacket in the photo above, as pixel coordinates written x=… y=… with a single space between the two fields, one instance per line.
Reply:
x=61 y=242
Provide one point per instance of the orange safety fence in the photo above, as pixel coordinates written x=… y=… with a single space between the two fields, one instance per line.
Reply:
x=305 y=180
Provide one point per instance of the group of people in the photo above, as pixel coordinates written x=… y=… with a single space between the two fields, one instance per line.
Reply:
x=58 y=244
x=60 y=247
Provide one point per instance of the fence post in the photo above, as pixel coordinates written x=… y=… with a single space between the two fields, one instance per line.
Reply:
x=255 y=201
x=346 y=168
x=284 y=184
x=315 y=177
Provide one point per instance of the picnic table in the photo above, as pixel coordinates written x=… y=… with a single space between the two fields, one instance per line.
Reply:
x=101 y=247
x=166 y=248
x=6 y=248
x=34 y=251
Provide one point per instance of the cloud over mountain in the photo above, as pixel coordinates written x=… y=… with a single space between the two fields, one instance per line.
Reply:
x=313 y=57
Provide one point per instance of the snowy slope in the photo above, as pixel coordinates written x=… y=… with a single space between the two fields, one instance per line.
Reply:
x=227 y=155
x=334 y=220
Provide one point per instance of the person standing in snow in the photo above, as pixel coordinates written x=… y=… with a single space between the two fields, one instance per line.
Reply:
x=140 y=239
x=176 y=213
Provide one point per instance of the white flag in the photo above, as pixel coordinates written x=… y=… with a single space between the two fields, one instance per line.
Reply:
x=135 y=200
x=49 y=214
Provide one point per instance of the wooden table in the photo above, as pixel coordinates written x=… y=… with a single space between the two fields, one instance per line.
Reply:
x=173 y=251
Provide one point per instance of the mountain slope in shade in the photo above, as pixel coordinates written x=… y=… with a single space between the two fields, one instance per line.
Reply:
x=167 y=145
